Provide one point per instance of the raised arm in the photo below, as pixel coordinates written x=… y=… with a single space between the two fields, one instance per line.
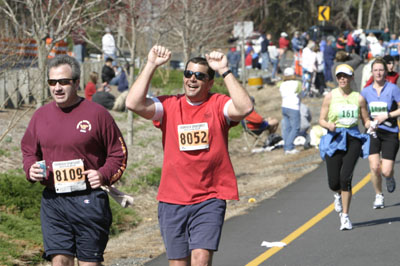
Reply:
x=136 y=100
x=241 y=103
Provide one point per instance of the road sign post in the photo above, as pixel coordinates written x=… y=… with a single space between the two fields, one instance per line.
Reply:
x=243 y=30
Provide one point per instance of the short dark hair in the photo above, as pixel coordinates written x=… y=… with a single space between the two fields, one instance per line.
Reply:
x=65 y=60
x=379 y=60
x=202 y=61
x=388 y=59
x=109 y=59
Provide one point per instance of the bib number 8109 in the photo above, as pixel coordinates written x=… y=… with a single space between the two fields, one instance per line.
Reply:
x=68 y=176
x=71 y=174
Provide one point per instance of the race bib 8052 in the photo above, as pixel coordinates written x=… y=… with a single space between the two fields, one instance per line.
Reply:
x=193 y=137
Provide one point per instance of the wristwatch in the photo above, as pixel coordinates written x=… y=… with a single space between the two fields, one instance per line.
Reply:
x=226 y=73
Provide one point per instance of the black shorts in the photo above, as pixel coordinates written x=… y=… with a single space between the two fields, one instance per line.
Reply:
x=386 y=142
x=75 y=224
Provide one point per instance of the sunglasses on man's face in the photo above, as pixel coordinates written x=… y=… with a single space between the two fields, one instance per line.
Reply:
x=63 y=82
x=199 y=75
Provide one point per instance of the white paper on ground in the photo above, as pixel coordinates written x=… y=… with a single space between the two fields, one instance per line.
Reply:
x=272 y=244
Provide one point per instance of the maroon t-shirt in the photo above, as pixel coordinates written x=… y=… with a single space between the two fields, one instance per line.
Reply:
x=84 y=131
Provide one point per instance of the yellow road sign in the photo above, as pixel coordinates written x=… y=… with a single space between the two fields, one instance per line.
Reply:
x=324 y=13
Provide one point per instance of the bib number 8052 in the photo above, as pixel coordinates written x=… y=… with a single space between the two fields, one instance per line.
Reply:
x=193 y=137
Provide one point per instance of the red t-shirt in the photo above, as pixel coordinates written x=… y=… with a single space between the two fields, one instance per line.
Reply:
x=283 y=43
x=90 y=89
x=392 y=77
x=248 y=60
x=193 y=176
x=254 y=120
x=350 y=40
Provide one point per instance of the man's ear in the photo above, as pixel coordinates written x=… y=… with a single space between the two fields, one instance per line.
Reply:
x=77 y=83
x=210 y=84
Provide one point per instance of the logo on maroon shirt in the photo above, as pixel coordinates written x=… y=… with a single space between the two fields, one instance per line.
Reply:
x=84 y=126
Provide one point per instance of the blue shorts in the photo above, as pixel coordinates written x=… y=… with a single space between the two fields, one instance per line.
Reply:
x=75 y=224
x=263 y=126
x=188 y=227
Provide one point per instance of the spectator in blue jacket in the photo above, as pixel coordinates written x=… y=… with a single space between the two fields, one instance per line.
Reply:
x=329 y=57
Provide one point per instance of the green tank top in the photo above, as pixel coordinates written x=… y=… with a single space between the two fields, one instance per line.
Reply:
x=344 y=111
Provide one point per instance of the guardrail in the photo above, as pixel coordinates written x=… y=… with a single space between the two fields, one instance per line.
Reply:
x=21 y=86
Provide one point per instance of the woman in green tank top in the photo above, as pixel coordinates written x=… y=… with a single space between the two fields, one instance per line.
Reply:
x=342 y=145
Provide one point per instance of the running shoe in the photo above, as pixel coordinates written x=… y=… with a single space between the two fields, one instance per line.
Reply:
x=379 y=202
x=338 y=202
x=345 y=223
x=294 y=151
x=390 y=184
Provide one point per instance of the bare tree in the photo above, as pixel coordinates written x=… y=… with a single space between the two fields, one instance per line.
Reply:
x=135 y=16
x=196 y=25
x=371 y=8
x=50 y=18
x=343 y=15
x=360 y=14
x=385 y=14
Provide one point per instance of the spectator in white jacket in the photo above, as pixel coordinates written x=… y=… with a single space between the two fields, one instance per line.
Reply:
x=309 y=65
x=319 y=81
x=108 y=45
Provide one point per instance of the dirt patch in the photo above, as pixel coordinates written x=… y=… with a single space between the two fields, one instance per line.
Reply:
x=259 y=175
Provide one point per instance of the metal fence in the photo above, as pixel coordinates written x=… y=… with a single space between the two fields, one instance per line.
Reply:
x=21 y=86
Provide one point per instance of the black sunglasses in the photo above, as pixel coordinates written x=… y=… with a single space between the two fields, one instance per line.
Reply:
x=63 y=82
x=342 y=75
x=199 y=75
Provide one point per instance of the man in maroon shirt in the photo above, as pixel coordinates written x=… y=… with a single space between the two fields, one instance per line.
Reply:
x=73 y=146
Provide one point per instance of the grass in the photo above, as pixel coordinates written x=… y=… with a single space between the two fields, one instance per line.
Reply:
x=19 y=217
x=4 y=153
x=151 y=179
x=20 y=229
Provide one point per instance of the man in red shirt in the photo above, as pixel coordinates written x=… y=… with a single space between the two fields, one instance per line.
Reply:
x=283 y=47
x=197 y=175
x=350 y=44
x=256 y=123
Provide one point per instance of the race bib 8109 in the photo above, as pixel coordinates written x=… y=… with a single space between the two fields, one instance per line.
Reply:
x=68 y=176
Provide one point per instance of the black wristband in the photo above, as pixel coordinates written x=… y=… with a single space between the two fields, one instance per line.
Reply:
x=389 y=116
x=226 y=73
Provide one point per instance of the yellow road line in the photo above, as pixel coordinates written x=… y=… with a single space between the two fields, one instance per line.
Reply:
x=270 y=252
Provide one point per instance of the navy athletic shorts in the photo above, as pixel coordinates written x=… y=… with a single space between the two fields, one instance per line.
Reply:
x=386 y=142
x=188 y=227
x=75 y=224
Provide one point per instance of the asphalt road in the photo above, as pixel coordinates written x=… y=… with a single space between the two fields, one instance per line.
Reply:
x=302 y=216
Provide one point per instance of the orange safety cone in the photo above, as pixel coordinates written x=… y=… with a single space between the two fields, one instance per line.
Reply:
x=297 y=64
